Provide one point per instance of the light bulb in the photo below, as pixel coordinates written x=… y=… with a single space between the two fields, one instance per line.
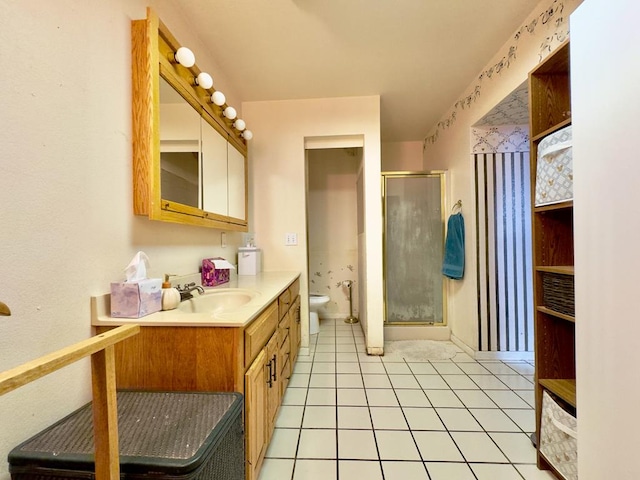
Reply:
x=240 y=125
x=185 y=57
x=247 y=135
x=204 y=80
x=218 y=98
x=230 y=113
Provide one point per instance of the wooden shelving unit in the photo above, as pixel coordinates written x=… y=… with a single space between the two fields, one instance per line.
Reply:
x=550 y=106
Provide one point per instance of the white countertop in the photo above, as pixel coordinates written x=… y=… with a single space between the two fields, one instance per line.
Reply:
x=267 y=285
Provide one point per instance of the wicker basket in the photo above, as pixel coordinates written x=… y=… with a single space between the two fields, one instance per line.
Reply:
x=558 y=292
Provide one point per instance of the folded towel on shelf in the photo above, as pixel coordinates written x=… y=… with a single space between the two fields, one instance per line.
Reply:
x=453 y=264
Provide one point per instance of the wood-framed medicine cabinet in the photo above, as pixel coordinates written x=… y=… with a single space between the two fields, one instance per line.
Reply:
x=189 y=163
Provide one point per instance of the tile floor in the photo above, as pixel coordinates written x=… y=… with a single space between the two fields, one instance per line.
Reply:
x=350 y=416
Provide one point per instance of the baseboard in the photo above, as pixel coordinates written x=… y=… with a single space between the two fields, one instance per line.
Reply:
x=417 y=332
x=502 y=356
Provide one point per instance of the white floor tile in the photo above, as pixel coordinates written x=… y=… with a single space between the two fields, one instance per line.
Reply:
x=326 y=341
x=284 y=443
x=412 y=398
x=294 y=396
x=357 y=444
x=477 y=447
x=447 y=368
x=354 y=418
x=347 y=357
x=494 y=420
x=364 y=358
x=516 y=382
x=344 y=367
x=319 y=417
x=531 y=472
x=429 y=382
x=525 y=419
x=459 y=382
x=347 y=380
x=322 y=380
x=376 y=381
x=276 y=469
x=346 y=348
x=373 y=368
x=388 y=418
x=325 y=347
x=498 y=368
x=528 y=396
x=315 y=470
x=382 y=397
x=299 y=380
x=399 y=381
x=449 y=471
x=522 y=368
x=462 y=357
x=507 y=399
x=473 y=368
x=359 y=470
x=289 y=416
x=458 y=420
x=423 y=419
x=489 y=471
x=443 y=398
x=324 y=357
x=317 y=444
x=404 y=471
x=475 y=399
x=437 y=447
x=396 y=445
x=323 y=367
x=321 y=396
x=352 y=397
x=488 y=382
x=302 y=367
x=344 y=341
x=516 y=446
x=422 y=368
x=397 y=368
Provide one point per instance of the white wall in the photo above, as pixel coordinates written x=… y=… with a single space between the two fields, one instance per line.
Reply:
x=447 y=146
x=277 y=179
x=605 y=75
x=333 y=226
x=66 y=223
x=401 y=156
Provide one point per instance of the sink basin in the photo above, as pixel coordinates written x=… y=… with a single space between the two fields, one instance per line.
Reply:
x=218 y=301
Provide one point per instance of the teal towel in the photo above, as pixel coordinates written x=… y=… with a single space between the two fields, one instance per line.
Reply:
x=453 y=264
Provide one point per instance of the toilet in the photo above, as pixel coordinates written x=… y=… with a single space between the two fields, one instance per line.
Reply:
x=316 y=302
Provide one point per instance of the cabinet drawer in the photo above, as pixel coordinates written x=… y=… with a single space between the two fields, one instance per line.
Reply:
x=284 y=300
x=258 y=333
x=294 y=290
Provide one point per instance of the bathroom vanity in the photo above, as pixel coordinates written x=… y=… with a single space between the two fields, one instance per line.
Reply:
x=248 y=348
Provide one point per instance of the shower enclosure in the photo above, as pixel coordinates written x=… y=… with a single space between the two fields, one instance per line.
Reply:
x=413 y=248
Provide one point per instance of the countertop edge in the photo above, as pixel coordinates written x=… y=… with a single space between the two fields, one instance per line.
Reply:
x=269 y=284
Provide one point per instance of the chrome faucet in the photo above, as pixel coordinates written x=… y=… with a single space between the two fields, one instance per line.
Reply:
x=185 y=292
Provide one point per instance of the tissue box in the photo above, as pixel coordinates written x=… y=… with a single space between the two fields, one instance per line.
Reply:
x=212 y=276
x=136 y=299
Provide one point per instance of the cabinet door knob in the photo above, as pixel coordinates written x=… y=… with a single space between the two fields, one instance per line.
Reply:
x=274 y=372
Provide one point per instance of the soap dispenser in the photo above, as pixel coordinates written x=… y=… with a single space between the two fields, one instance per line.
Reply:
x=170 y=295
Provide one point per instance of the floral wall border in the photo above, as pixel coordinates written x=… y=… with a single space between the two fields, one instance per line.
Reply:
x=555 y=10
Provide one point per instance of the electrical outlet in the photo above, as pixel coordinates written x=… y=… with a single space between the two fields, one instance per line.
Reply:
x=291 y=239
x=223 y=239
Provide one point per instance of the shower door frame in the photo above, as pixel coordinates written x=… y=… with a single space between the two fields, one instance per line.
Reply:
x=402 y=174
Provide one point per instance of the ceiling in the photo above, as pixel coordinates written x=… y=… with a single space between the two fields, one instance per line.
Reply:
x=418 y=55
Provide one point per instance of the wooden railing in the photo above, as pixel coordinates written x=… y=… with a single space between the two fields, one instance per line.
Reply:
x=103 y=381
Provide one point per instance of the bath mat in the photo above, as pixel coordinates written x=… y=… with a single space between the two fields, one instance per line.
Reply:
x=418 y=350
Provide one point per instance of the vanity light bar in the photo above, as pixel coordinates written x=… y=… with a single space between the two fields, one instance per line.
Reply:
x=187 y=59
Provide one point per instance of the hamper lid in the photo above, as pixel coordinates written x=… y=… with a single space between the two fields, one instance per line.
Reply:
x=168 y=431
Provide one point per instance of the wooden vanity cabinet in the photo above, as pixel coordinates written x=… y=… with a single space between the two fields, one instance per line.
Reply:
x=256 y=360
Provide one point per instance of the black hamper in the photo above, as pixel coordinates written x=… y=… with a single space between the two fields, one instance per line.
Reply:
x=162 y=435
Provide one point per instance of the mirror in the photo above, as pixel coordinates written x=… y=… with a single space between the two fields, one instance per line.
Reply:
x=190 y=165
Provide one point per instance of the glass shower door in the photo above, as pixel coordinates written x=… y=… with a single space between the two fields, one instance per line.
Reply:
x=413 y=248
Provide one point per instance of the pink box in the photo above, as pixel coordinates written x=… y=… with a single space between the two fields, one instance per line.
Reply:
x=136 y=299
x=212 y=276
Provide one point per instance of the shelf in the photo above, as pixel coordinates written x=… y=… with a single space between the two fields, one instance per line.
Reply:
x=554 y=206
x=553 y=313
x=551 y=130
x=563 y=388
x=561 y=269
